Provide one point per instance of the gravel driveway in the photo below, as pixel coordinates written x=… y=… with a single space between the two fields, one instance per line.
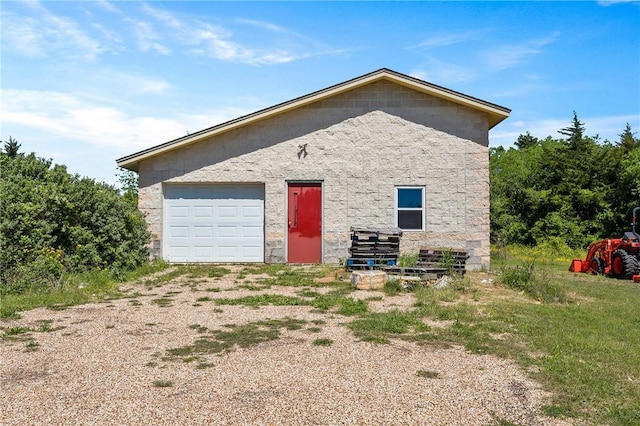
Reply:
x=133 y=361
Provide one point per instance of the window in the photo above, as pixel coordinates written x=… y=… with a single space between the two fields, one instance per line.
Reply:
x=410 y=208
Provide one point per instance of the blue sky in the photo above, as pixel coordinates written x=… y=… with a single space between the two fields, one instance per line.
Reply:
x=85 y=83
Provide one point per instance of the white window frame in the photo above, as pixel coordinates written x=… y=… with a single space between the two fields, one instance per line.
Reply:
x=422 y=209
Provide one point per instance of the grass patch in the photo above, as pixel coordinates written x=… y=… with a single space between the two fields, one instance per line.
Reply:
x=584 y=352
x=533 y=282
x=343 y=305
x=75 y=289
x=244 y=336
x=379 y=327
x=393 y=287
x=262 y=300
x=32 y=345
x=291 y=278
x=163 y=383
x=308 y=293
x=209 y=271
x=323 y=342
x=253 y=287
x=162 y=302
x=428 y=374
x=14 y=331
x=199 y=328
x=271 y=269
x=408 y=260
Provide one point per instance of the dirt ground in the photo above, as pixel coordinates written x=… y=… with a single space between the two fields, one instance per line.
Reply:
x=158 y=356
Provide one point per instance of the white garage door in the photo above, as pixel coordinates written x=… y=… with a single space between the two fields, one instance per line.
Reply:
x=213 y=223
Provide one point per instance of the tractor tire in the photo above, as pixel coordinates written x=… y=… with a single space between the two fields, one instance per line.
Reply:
x=597 y=266
x=624 y=265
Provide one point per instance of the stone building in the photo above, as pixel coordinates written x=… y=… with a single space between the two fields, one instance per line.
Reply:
x=286 y=184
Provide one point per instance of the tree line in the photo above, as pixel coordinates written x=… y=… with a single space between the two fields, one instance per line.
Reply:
x=53 y=222
x=570 y=190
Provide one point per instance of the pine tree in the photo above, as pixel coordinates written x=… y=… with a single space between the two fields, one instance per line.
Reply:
x=575 y=134
x=526 y=141
x=11 y=147
x=627 y=140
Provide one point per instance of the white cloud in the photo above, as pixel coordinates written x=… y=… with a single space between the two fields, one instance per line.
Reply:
x=120 y=86
x=147 y=38
x=444 y=73
x=220 y=42
x=444 y=40
x=612 y=2
x=106 y=5
x=73 y=118
x=163 y=16
x=46 y=34
x=607 y=128
x=264 y=25
x=511 y=55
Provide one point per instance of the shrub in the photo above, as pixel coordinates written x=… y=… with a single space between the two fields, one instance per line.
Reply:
x=52 y=222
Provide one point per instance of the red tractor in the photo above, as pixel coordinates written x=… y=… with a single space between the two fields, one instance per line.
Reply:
x=618 y=258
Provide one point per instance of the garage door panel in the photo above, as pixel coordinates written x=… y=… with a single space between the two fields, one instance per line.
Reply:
x=179 y=231
x=252 y=231
x=179 y=211
x=216 y=223
x=179 y=253
x=252 y=253
x=227 y=231
x=251 y=212
x=203 y=231
x=229 y=212
x=204 y=212
x=203 y=253
x=228 y=253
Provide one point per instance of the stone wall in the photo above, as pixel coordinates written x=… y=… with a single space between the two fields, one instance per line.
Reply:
x=360 y=145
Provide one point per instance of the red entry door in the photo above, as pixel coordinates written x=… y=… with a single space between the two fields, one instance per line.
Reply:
x=305 y=223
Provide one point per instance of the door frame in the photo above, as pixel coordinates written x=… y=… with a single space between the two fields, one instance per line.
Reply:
x=287 y=183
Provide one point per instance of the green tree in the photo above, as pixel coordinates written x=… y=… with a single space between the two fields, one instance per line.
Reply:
x=128 y=181
x=574 y=133
x=52 y=221
x=628 y=141
x=574 y=190
x=526 y=141
x=11 y=147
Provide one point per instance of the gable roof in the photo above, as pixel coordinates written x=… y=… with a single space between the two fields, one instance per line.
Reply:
x=496 y=113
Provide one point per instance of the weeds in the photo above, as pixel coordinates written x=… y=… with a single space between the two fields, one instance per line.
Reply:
x=379 y=327
x=163 y=383
x=14 y=331
x=32 y=345
x=428 y=374
x=162 y=302
x=408 y=260
x=244 y=336
x=262 y=300
x=323 y=342
x=74 y=289
x=536 y=284
x=393 y=287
